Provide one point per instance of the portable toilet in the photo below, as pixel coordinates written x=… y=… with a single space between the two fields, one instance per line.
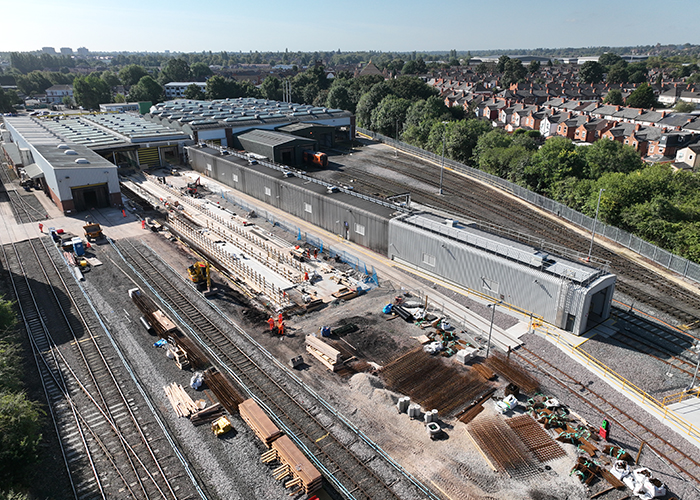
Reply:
x=78 y=246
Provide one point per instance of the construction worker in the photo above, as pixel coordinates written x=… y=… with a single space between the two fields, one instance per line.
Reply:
x=280 y=328
x=280 y=318
x=271 y=322
x=41 y=227
x=123 y=213
x=316 y=253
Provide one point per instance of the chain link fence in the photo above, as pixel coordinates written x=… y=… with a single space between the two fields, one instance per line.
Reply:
x=664 y=258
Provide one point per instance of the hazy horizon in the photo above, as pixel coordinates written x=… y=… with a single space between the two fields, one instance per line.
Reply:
x=311 y=25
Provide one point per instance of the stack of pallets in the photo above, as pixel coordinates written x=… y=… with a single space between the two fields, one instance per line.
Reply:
x=329 y=357
x=304 y=477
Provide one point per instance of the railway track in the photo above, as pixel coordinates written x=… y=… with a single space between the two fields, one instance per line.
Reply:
x=681 y=459
x=351 y=463
x=473 y=200
x=23 y=211
x=105 y=433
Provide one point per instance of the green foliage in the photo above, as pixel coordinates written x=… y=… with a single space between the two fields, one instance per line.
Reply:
x=32 y=83
x=20 y=425
x=147 y=89
x=389 y=114
x=591 y=72
x=176 y=70
x=614 y=97
x=91 y=91
x=502 y=62
x=25 y=62
x=120 y=98
x=219 y=87
x=200 y=71
x=618 y=73
x=414 y=67
x=533 y=67
x=271 y=88
x=514 y=71
x=10 y=367
x=12 y=495
x=605 y=156
x=684 y=107
x=642 y=97
x=609 y=59
x=131 y=74
x=307 y=85
x=504 y=155
x=194 y=92
x=111 y=79
x=6 y=101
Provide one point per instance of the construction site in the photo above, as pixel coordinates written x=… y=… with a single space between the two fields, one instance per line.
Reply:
x=279 y=359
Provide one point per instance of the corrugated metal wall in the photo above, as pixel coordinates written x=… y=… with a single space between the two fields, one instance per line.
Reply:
x=327 y=211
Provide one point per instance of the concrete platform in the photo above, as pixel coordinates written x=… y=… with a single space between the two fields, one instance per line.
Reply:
x=689 y=410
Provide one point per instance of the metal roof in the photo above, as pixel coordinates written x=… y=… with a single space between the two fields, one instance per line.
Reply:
x=509 y=249
x=272 y=138
x=33 y=171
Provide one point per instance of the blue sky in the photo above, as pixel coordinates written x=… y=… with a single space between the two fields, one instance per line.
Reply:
x=308 y=25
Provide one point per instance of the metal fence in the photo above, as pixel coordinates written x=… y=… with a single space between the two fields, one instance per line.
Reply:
x=658 y=255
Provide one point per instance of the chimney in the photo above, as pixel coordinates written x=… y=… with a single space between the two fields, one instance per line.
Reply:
x=617 y=108
x=640 y=111
x=637 y=127
x=588 y=118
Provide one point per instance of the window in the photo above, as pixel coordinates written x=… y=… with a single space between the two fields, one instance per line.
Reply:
x=429 y=259
x=307 y=208
x=360 y=229
x=268 y=192
x=235 y=177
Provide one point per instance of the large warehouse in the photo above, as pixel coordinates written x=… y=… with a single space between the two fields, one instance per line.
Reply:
x=72 y=175
x=220 y=120
x=570 y=295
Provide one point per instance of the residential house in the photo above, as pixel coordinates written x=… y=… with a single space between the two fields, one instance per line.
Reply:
x=56 y=93
x=688 y=158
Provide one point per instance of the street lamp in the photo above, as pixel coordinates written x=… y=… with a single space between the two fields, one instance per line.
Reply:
x=595 y=222
x=493 y=313
x=696 y=348
x=442 y=168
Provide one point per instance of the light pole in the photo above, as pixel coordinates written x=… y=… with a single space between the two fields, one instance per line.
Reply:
x=595 y=223
x=442 y=168
x=696 y=348
x=396 y=149
x=493 y=313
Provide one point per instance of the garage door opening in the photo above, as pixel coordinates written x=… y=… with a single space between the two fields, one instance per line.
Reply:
x=88 y=197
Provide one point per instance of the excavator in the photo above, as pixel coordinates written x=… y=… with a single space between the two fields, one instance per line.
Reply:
x=193 y=188
x=200 y=274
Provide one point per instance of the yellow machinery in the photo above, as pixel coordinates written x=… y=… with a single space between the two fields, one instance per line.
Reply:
x=221 y=426
x=200 y=274
x=93 y=232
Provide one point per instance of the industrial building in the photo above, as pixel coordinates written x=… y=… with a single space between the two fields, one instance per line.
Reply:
x=564 y=292
x=570 y=295
x=277 y=146
x=72 y=175
x=220 y=120
x=174 y=90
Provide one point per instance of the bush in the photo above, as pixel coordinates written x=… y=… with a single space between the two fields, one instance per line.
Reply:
x=20 y=423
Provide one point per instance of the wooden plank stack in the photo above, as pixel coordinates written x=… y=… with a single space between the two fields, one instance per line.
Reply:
x=223 y=389
x=207 y=414
x=259 y=422
x=304 y=476
x=181 y=401
x=329 y=357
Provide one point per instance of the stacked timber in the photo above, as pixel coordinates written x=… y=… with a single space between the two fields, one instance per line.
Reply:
x=161 y=323
x=181 y=401
x=259 y=422
x=303 y=476
x=207 y=415
x=328 y=356
x=223 y=389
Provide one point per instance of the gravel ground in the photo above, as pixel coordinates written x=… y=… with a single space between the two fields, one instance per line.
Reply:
x=630 y=443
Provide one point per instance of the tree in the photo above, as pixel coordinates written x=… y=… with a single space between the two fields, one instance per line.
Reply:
x=176 y=70
x=390 y=114
x=614 y=97
x=119 y=98
x=7 y=101
x=131 y=74
x=533 y=67
x=591 y=72
x=617 y=73
x=502 y=62
x=368 y=102
x=684 y=107
x=609 y=59
x=110 y=79
x=339 y=97
x=514 y=71
x=605 y=156
x=147 y=89
x=67 y=101
x=91 y=91
x=194 y=92
x=20 y=426
x=481 y=68
x=557 y=160
x=271 y=88
x=642 y=97
x=200 y=71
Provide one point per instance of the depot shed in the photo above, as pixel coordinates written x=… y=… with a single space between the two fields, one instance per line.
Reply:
x=568 y=294
x=277 y=146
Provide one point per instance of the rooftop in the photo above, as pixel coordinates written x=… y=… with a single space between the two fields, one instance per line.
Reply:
x=64 y=156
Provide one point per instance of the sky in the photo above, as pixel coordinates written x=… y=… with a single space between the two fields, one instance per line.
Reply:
x=313 y=25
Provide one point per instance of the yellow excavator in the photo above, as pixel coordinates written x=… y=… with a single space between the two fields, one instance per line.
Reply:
x=200 y=274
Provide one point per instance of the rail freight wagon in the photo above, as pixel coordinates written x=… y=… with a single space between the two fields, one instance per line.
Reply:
x=316 y=158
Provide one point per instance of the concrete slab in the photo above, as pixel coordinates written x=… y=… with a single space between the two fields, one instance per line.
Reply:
x=689 y=410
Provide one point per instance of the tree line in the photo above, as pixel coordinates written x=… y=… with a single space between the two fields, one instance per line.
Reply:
x=21 y=418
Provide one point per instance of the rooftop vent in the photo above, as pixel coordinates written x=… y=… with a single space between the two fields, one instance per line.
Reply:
x=62 y=146
x=450 y=222
x=69 y=152
x=81 y=161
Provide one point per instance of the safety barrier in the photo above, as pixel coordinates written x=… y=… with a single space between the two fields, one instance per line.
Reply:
x=680 y=396
x=631 y=390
